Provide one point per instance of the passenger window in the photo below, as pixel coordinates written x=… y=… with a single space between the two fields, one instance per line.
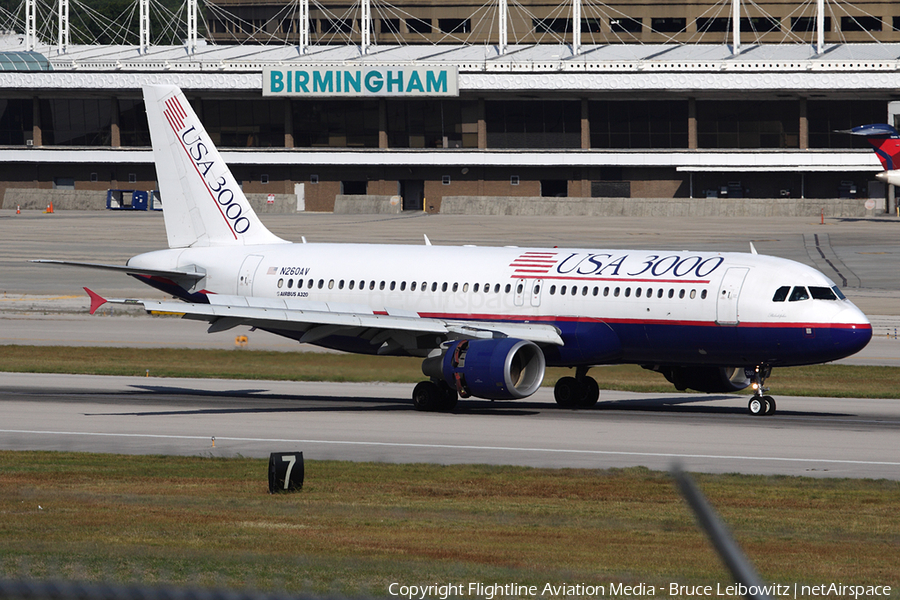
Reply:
x=372 y=285
x=402 y=286
x=781 y=293
x=393 y=285
x=822 y=293
x=309 y=284
x=605 y=291
x=562 y=290
x=671 y=293
x=508 y=288
x=352 y=283
x=659 y=293
x=455 y=286
x=703 y=295
x=381 y=286
x=475 y=288
x=290 y=283
x=341 y=284
x=616 y=292
x=627 y=292
x=693 y=294
x=496 y=288
x=681 y=294
x=487 y=288
x=798 y=293
x=412 y=286
x=280 y=283
x=331 y=284
x=584 y=291
x=321 y=283
x=444 y=287
x=519 y=289
x=574 y=289
x=465 y=288
x=638 y=292
x=434 y=286
x=596 y=290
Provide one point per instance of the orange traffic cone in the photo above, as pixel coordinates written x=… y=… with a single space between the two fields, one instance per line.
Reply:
x=51 y=206
x=18 y=210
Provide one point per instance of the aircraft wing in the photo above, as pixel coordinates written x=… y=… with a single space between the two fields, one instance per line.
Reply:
x=313 y=321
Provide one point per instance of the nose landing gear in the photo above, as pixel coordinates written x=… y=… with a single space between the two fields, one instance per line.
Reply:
x=760 y=404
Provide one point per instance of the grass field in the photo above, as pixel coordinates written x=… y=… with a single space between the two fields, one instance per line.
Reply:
x=840 y=381
x=357 y=527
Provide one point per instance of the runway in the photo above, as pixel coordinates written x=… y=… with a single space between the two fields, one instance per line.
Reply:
x=44 y=305
x=818 y=437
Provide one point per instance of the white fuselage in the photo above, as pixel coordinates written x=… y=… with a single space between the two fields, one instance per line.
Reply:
x=646 y=296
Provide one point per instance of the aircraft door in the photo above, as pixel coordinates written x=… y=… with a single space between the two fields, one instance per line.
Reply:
x=729 y=291
x=247 y=273
x=520 y=292
x=536 y=286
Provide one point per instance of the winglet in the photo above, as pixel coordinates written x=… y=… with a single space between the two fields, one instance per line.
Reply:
x=96 y=300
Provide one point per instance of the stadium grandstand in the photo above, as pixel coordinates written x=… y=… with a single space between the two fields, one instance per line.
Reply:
x=424 y=100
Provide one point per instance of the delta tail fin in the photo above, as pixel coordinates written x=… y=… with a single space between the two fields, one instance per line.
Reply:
x=202 y=202
x=885 y=140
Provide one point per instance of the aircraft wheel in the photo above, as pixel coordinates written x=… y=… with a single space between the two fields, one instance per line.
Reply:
x=427 y=396
x=770 y=405
x=567 y=392
x=757 y=406
x=590 y=392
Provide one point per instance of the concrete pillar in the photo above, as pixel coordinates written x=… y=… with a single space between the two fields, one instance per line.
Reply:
x=382 y=123
x=585 y=125
x=115 y=134
x=288 y=124
x=482 y=126
x=892 y=200
x=692 y=124
x=36 y=125
x=804 y=126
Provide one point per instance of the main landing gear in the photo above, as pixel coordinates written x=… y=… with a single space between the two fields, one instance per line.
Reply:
x=580 y=391
x=761 y=405
x=434 y=397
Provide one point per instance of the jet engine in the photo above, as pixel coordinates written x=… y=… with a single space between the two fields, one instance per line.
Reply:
x=496 y=369
x=706 y=379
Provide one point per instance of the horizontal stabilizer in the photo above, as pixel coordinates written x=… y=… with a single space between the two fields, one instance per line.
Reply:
x=874 y=130
x=191 y=274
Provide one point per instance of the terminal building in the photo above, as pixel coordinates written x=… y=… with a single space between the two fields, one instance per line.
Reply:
x=422 y=100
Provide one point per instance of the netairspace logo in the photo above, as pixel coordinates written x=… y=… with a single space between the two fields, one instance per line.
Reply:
x=490 y=591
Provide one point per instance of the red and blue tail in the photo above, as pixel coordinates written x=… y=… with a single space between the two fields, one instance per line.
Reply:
x=886 y=142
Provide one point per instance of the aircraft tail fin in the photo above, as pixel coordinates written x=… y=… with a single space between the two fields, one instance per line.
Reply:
x=885 y=140
x=202 y=202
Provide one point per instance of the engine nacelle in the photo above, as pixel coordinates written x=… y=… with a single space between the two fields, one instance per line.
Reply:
x=497 y=369
x=711 y=380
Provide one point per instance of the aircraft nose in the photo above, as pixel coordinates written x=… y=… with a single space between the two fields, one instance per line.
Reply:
x=851 y=331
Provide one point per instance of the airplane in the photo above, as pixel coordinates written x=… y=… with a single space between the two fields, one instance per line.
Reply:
x=885 y=140
x=486 y=321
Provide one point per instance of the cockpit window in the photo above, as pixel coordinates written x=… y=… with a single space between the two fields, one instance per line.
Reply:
x=838 y=293
x=822 y=293
x=799 y=293
x=781 y=293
